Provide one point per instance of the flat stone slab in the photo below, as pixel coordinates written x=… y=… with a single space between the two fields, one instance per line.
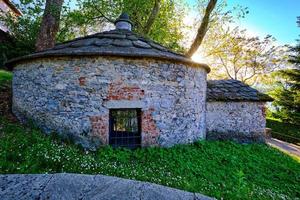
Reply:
x=77 y=186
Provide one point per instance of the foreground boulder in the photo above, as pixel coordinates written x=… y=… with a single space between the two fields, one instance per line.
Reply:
x=77 y=186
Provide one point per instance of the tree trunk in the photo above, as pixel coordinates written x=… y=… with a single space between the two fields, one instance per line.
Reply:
x=50 y=25
x=152 y=17
x=202 y=29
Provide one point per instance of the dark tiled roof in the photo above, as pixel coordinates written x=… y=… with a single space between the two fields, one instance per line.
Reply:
x=116 y=42
x=233 y=90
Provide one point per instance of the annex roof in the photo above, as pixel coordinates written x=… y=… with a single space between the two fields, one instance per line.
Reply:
x=233 y=90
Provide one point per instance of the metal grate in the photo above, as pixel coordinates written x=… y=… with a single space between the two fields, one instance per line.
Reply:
x=125 y=128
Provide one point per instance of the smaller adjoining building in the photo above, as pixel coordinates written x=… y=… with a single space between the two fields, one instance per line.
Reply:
x=235 y=111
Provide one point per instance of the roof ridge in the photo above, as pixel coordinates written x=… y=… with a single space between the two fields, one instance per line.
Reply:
x=118 y=42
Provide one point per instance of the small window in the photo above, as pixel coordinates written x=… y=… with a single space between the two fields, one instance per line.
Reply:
x=125 y=128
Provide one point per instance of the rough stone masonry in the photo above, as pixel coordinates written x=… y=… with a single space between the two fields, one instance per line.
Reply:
x=235 y=111
x=73 y=96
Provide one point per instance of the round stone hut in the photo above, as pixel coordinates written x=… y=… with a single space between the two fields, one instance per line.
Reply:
x=115 y=88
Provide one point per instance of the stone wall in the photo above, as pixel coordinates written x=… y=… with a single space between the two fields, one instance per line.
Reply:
x=73 y=96
x=242 y=121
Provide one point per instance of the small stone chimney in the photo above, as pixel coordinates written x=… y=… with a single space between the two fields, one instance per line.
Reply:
x=123 y=22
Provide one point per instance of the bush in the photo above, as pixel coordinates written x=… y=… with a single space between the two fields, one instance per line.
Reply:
x=284 y=131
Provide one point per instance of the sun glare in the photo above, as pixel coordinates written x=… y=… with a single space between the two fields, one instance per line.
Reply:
x=198 y=57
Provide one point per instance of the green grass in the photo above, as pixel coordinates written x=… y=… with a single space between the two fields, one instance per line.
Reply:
x=218 y=169
x=5 y=77
x=282 y=131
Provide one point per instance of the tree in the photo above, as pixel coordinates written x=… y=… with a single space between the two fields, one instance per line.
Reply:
x=241 y=57
x=153 y=15
x=287 y=94
x=23 y=30
x=202 y=29
x=50 y=25
x=232 y=53
x=160 y=20
x=219 y=19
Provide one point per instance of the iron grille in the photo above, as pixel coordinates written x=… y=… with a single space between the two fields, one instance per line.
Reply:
x=125 y=128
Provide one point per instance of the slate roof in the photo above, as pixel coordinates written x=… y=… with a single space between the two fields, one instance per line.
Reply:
x=233 y=90
x=116 y=42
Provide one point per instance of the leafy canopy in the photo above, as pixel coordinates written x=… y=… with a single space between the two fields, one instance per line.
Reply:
x=94 y=16
x=287 y=92
x=232 y=53
x=246 y=58
x=23 y=30
x=90 y=16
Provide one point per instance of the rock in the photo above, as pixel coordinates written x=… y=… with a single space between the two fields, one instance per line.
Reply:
x=78 y=186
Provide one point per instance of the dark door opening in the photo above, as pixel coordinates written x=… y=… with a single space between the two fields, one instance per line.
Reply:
x=125 y=128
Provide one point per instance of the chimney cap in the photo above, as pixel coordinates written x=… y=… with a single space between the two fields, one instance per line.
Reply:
x=123 y=22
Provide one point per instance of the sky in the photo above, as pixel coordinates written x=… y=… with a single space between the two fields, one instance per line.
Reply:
x=274 y=17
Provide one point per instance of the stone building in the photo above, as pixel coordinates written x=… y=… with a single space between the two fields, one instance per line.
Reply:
x=117 y=88
x=235 y=111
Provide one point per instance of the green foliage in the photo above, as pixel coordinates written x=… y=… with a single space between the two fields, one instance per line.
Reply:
x=89 y=16
x=5 y=77
x=23 y=30
x=287 y=92
x=168 y=27
x=232 y=53
x=93 y=15
x=219 y=169
x=285 y=130
x=235 y=55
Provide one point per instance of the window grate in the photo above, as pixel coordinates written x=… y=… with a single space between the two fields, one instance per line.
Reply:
x=125 y=128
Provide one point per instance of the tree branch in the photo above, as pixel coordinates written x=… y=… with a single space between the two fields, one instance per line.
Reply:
x=202 y=29
x=152 y=17
x=102 y=15
x=225 y=66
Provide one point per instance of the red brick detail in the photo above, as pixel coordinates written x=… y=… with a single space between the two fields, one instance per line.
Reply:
x=100 y=127
x=149 y=130
x=81 y=81
x=120 y=91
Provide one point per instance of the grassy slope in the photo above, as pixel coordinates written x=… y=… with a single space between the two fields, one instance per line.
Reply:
x=285 y=129
x=5 y=77
x=5 y=94
x=219 y=169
